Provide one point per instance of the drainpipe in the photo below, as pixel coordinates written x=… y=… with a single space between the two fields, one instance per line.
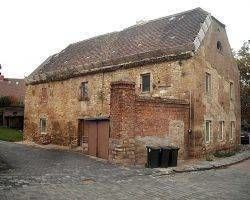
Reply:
x=190 y=117
x=190 y=110
x=102 y=93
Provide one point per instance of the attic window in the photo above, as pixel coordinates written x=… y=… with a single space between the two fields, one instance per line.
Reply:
x=219 y=46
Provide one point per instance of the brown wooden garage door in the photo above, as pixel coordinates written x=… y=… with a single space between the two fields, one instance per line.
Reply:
x=98 y=137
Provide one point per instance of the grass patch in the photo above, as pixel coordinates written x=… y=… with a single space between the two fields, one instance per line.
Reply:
x=223 y=154
x=10 y=135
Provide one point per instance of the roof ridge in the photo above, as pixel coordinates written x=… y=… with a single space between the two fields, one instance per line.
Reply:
x=157 y=37
x=136 y=25
x=165 y=17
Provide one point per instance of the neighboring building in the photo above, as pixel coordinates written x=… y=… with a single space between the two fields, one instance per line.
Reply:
x=12 y=109
x=170 y=81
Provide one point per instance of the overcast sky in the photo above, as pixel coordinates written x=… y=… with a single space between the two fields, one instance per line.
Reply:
x=32 y=30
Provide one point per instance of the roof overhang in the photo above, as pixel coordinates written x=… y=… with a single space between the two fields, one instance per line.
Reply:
x=72 y=72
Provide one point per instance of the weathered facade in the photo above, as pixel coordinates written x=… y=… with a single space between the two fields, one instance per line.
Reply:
x=171 y=81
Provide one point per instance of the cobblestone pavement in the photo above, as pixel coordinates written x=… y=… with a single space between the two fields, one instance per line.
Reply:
x=53 y=174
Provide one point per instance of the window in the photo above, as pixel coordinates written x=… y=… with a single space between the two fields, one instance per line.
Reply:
x=44 y=94
x=145 y=82
x=232 y=130
x=43 y=126
x=84 y=91
x=219 y=46
x=208 y=83
x=231 y=91
x=221 y=132
x=207 y=131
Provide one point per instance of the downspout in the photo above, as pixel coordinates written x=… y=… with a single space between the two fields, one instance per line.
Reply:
x=102 y=94
x=190 y=131
x=190 y=110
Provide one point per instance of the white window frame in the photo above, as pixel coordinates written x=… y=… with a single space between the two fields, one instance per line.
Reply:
x=41 y=126
x=208 y=83
x=209 y=132
x=222 y=130
x=232 y=130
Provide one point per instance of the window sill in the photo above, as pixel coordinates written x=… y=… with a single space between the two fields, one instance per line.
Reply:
x=145 y=92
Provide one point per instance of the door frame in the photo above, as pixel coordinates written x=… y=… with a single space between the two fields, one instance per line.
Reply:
x=82 y=134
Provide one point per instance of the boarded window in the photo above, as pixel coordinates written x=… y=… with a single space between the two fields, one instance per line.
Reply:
x=208 y=83
x=43 y=126
x=44 y=95
x=221 y=132
x=84 y=91
x=231 y=91
x=207 y=131
x=232 y=130
x=145 y=82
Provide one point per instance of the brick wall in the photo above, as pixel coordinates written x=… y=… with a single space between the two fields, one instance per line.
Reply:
x=139 y=122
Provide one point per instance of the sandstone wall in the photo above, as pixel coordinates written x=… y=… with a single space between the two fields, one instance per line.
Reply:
x=217 y=106
x=63 y=107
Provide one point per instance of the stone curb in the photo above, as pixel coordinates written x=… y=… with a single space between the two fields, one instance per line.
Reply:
x=217 y=164
x=225 y=162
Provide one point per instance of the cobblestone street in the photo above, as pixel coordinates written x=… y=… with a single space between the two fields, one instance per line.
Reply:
x=37 y=173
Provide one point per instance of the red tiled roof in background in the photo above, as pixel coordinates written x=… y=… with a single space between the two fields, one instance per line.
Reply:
x=12 y=87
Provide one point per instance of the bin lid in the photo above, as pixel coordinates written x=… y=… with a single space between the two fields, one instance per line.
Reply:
x=166 y=147
x=153 y=147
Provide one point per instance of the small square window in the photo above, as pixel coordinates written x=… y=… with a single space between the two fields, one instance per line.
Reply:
x=208 y=83
x=145 y=82
x=84 y=91
x=221 y=132
x=43 y=126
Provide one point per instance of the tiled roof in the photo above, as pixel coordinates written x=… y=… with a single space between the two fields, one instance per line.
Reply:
x=171 y=35
x=13 y=87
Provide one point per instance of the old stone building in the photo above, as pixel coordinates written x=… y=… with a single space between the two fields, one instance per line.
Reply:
x=169 y=81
